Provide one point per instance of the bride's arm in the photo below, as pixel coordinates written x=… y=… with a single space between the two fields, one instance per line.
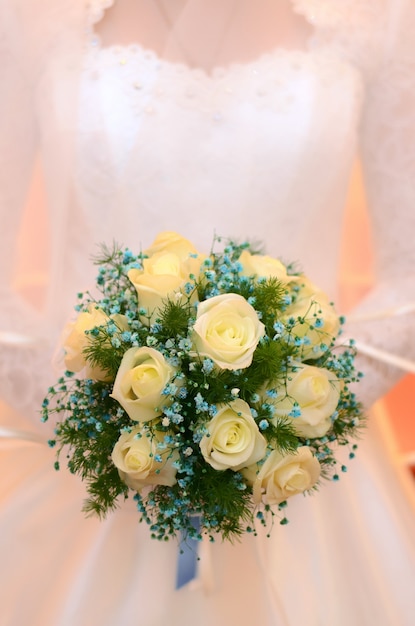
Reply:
x=20 y=323
x=388 y=154
x=18 y=140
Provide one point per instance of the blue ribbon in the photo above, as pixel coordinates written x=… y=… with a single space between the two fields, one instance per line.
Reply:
x=188 y=556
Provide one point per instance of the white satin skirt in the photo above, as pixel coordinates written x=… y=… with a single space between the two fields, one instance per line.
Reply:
x=347 y=557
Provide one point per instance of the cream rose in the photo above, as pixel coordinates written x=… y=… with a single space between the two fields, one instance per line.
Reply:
x=227 y=330
x=316 y=392
x=76 y=340
x=139 y=384
x=169 y=241
x=233 y=440
x=283 y=476
x=321 y=323
x=264 y=266
x=163 y=274
x=140 y=462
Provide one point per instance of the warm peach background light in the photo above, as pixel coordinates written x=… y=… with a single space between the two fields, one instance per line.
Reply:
x=356 y=277
x=32 y=259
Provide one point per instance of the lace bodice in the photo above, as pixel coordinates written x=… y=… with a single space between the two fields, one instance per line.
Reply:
x=133 y=144
x=198 y=127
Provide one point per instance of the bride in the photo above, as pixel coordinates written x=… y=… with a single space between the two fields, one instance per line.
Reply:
x=197 y=116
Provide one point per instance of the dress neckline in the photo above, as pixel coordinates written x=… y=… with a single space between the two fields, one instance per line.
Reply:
x=96 y=11
x=126 y=51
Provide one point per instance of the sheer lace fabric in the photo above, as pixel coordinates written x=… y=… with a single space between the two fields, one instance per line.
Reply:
x=132 y=144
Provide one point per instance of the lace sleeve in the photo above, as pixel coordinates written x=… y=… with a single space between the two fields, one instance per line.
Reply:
x=388 y=155
x=41 y=47
x=18 y=139
x=20 y=324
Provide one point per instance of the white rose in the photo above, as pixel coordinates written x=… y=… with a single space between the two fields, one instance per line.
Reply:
x=283 y=476
x=163 y=275
x=264 y=266
x=316 y=391
x=139 y=384
x=75 y=340
x=169 y=241
x=233 y=440
x=321 y=323
x=227 y=330
x=140 y=462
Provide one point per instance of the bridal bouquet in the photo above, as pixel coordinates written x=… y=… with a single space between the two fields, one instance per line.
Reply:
x=205 y=385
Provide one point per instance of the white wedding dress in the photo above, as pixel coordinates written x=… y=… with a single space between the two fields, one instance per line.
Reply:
x=133 y=144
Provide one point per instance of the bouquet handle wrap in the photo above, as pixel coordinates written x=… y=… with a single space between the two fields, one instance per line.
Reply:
x=187 y=560
x=194 y=562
